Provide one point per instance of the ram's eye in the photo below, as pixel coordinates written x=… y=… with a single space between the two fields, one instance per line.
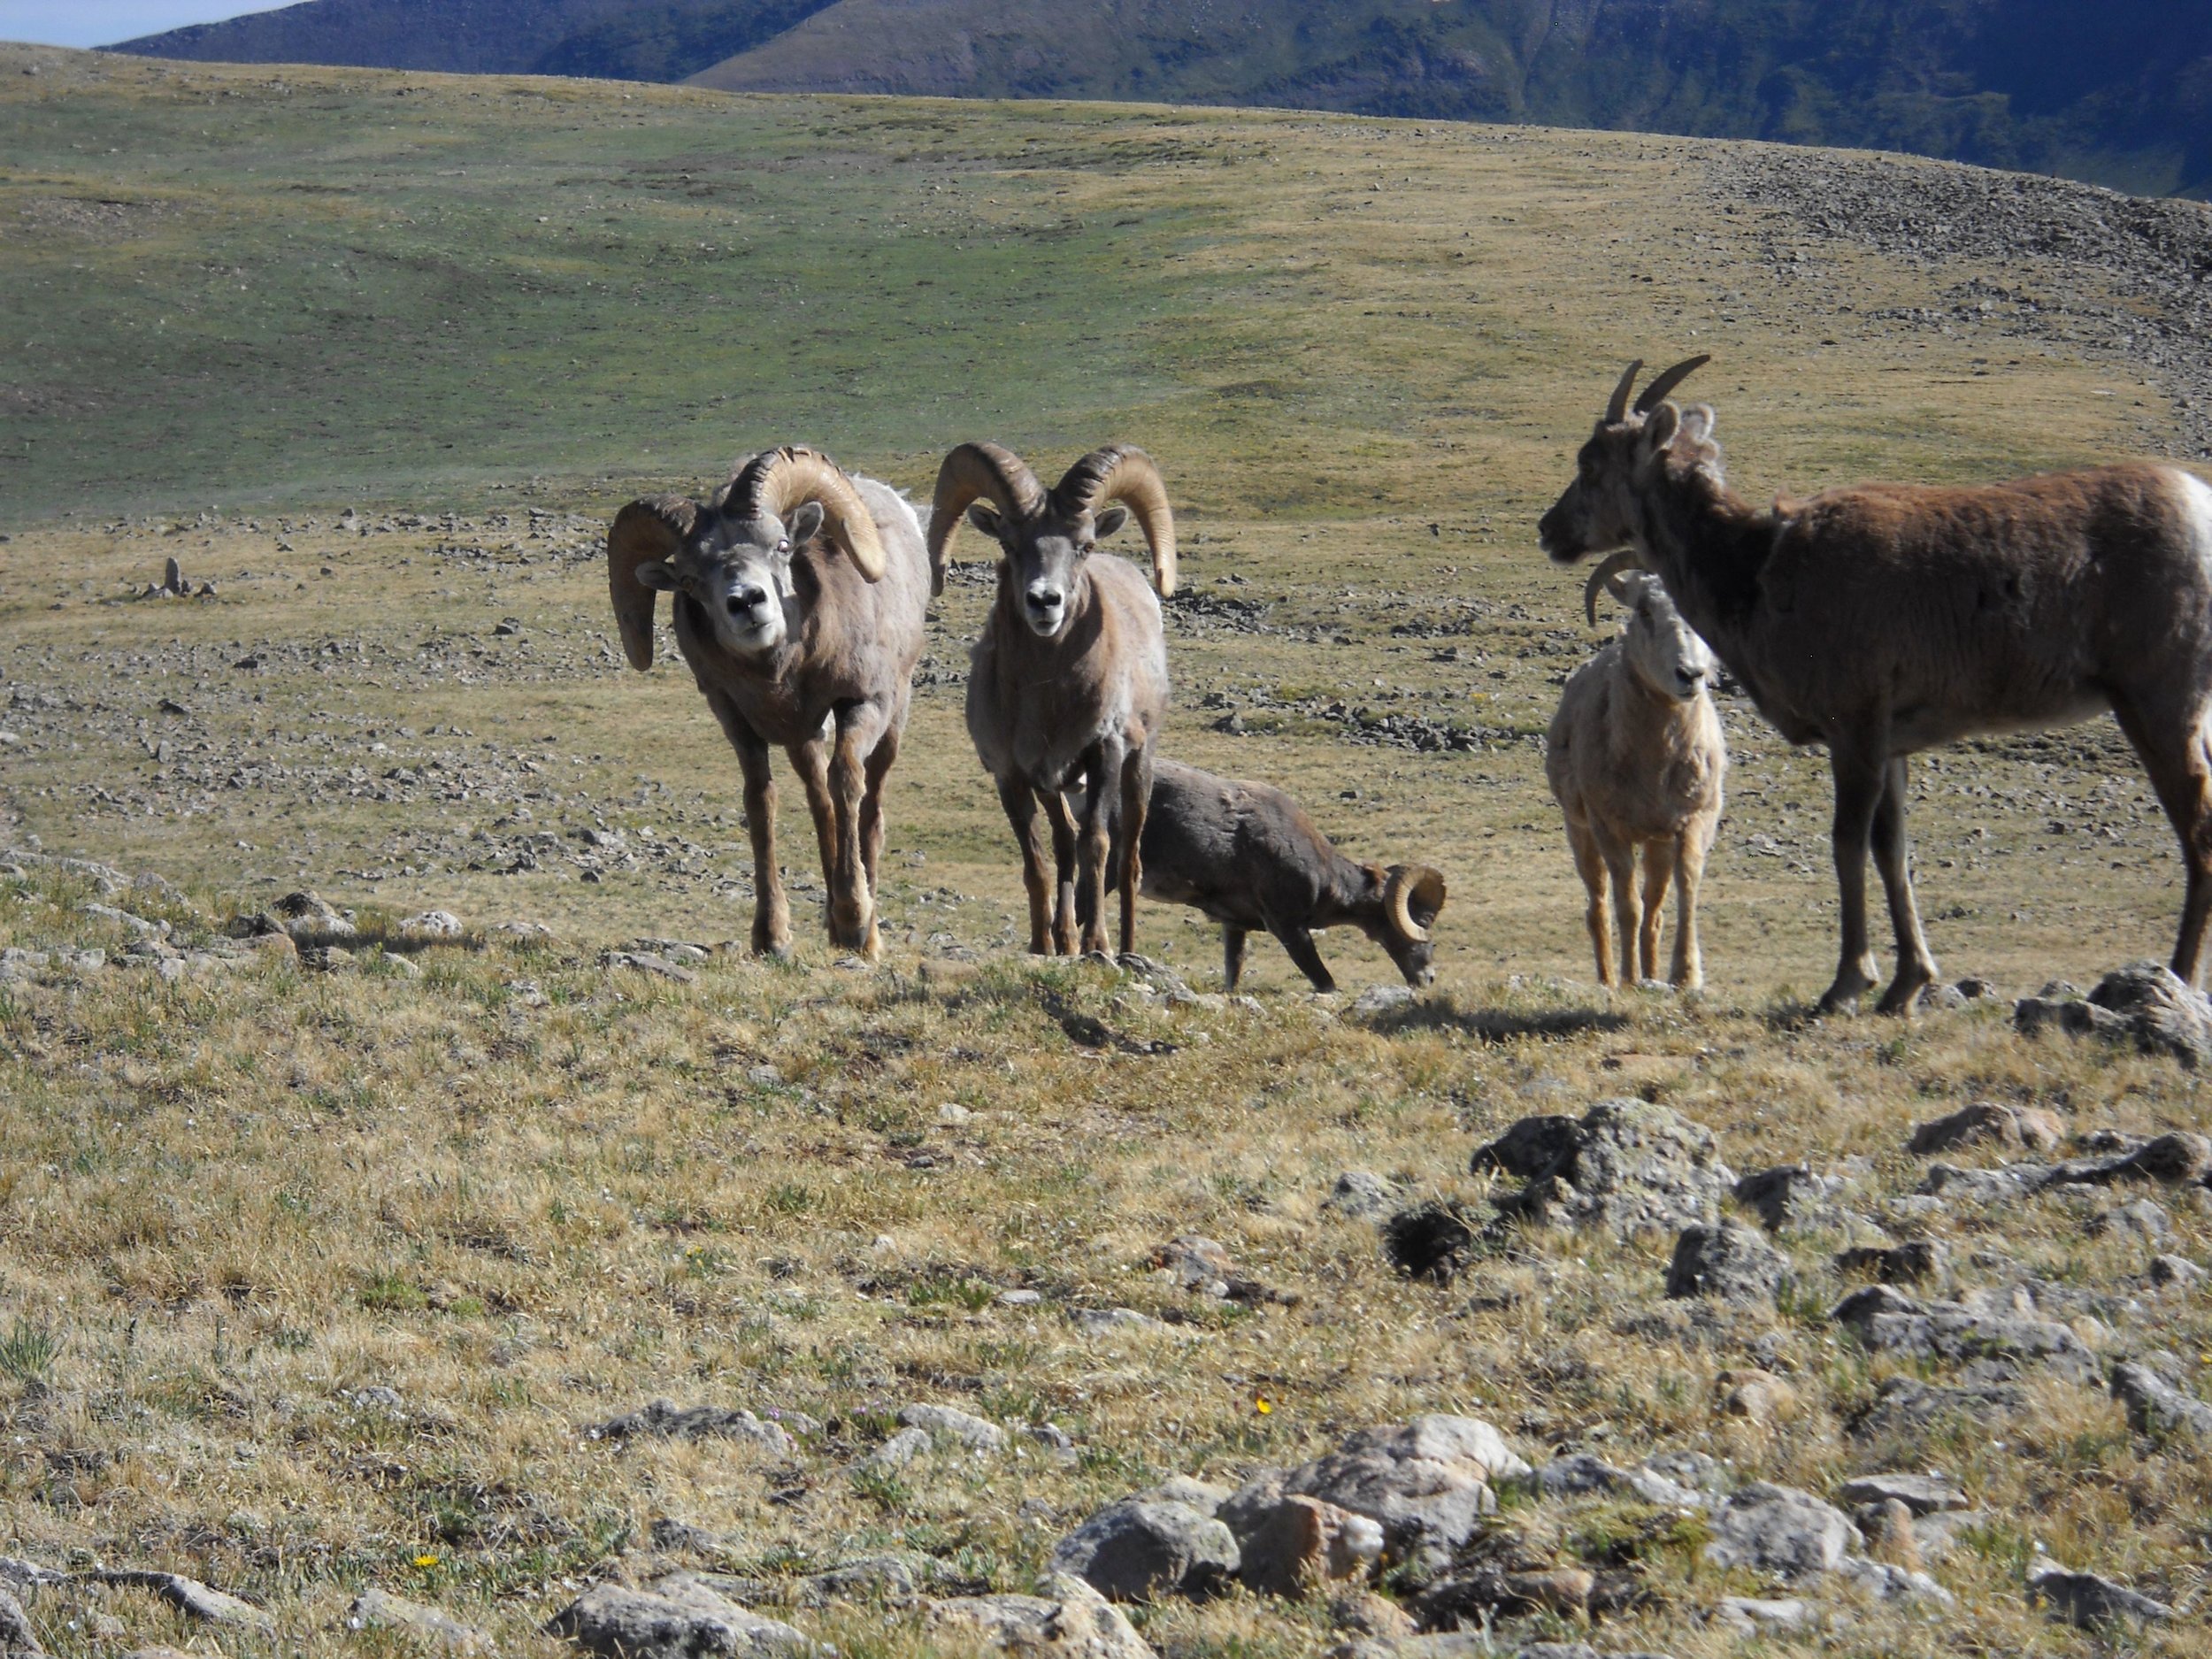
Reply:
x=784 y=546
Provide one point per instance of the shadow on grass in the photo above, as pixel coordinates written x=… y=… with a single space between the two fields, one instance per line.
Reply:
x=1494 y=1025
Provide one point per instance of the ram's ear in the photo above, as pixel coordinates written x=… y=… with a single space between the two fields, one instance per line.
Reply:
x=985 y=518
x=805 y=523
x=1660 y=427
x=659 y=575
x=1110 y=521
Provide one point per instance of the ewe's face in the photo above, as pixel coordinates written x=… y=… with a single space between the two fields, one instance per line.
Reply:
x=1043 y=561
x=1664 y=651
x=738 y=572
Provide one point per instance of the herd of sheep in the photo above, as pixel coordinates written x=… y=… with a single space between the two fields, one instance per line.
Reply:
x=1879 y=620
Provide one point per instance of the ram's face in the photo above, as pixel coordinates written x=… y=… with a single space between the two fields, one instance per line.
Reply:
x=1043 y=559
x=1665 y=651
x=738 y=572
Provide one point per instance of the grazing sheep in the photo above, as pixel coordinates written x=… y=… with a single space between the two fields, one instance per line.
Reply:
x=1885 y=619
x=1635 y=758
x=1247 y=856
x=800 y=595
x=1068 y=684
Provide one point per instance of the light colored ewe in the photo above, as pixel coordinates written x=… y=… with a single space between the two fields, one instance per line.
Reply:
x=1067 y=686
x=1247 y=856
x=1885 y=619
x=799 y=598
x=1635 y=759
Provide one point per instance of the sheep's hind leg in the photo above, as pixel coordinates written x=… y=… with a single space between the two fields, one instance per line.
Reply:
x=1590 y=865
x=2174 y=753
x=772 y=912
x=1136 y=800
x=1021 y=812
x=1892 y=857
x=1858 y=769
x=1658 y=871
x=1102 y=778
x=1232 y=956
x=1066 y=909
x=852 y=911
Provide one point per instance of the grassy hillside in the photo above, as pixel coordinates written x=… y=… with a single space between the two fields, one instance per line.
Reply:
x=318 y=1271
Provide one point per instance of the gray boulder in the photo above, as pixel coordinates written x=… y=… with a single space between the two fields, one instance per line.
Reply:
x=1912 y=1263
x=2143 y=1002
x=1361 y=1195
x=663 y=1420
x=2083 y=1600
x=675 y=1617
x=1529 y=1148
x=2155 y=1406
x=375 y=1609
x=1067 y=1620
x=2178 y=1158
x=1627 y=1166
x=1584 y=1474
x=1140 y=1549
x=1780 y=1530
x=1907 y=1405
x=1922 y=1494
x=1426 y=1483
x=1888 y=1321
x=1790 y=1197
x=972 y=1431
x=1728 y=1263
x=1986 y=1122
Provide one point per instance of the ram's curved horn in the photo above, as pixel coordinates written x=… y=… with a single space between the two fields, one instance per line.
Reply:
x=1616 y=410
x=772 y=484
x=1123 y=472
x=1613 y=564
x=1656 y=392
x=1406 y=886
x=654 y=528
x=973 y=472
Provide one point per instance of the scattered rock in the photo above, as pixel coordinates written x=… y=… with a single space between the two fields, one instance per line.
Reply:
x=650 y=962
x=1781 y=1531
x=377 y=1609
x=1471 y=1601
x=1068 y=1620
x=1908 y=1404
x=1426 y=1482
x=1116 y=1321
x=1887 y=1526
x=188 y=1596
x=17 y=1635
x=1729 y=1263
x=1790 y=1196
x=896 y=1453
x=1888 y=1321
x=1431 y=1241
x=1757 y=1396
x=1631 y=1165
x=1529 y=1148
x=432 y=925
x=1986 y=1121
x=2156 y=1407
x=1755 y=1615
x=676 y=1617
x=2083 y=1600
x=2180 y=1158
x=1378 y=1000
x=885 y=1580
x=2142 y=1219
x=971 y=1431
x=1363 y=1613
x=305 y=915
x=1301 y=1541
x=1138 y=1550
x=1913 y=1262
x=1200 y=1495
x=663 y=1420
x=1195 y=1263
x=1922 y=1494
x=2175 y=1272
x=1361 y=1195
x=2004 y=1185
x=1584 y=1474
x=2143 y=1001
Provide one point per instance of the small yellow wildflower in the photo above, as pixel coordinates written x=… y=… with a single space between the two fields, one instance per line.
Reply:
x=1262 y=1406
x=426 y=1561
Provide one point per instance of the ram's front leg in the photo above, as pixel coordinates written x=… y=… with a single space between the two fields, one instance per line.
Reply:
x=772 y=912
x=852 y=907
x=1067 y=905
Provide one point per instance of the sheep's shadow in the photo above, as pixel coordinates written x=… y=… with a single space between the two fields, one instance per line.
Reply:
x=1494 y=1025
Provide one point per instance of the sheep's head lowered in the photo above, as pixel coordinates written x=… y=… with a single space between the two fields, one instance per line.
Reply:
x=1663 y=651
x=1601 y=510
x=1412 y=898
x=1045 y=534
x=732 y=554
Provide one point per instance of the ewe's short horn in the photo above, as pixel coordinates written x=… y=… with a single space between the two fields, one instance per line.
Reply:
x=973 y=472
x=656 y=528
x=1616 y=410
x=773 y=484
x=1656 y=392
x=1122 y=472
x=1411 y=885
x=1613 y=565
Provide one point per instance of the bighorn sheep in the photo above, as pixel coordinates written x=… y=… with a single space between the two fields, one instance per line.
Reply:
x=1635 y=758
x=1247 y=856
x=1069 y=681
x=1885 y=618
x=800 y=594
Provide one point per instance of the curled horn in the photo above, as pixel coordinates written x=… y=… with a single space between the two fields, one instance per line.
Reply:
x=1406 y=886
x=1656 y=392
x=1616 y=410
x=654 y=528
x=1123 y=473
x=973 y=473
x=774 y=483
x=1602 y=577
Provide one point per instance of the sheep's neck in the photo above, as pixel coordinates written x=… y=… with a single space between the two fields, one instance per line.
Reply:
x=1643 y=721
x=1708 y=545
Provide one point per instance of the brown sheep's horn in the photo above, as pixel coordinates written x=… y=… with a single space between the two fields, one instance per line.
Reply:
x=774 y=483
x=1656 y=392
x=656 y=528
x=1123 y=473
x=1408 y=886
x=1612 y=566
x=1616 y=410
x=973 y=472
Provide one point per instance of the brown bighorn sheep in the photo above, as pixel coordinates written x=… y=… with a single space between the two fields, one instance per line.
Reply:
x=800 y=594
x=1885 y=618
x=1069 y=681
x=1247 y=856
x=1635 y=758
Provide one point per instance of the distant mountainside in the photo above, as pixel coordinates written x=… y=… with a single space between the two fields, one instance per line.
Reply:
x=2118 y=92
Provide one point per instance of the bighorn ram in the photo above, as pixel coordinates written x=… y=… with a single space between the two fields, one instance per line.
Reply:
x=1635 y=758
x=1068 y=683
x=1885 y=619
x=1246 y=856
x=800 y=594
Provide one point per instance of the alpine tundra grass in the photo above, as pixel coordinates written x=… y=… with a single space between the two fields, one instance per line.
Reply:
x=316 y=1274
